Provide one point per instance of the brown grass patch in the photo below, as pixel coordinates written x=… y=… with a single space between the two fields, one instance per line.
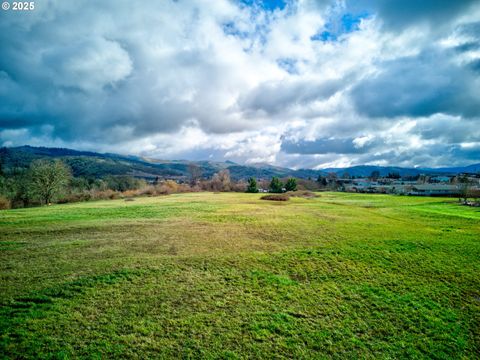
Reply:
x=276 y=197
x=303 y=194
x=4 y=203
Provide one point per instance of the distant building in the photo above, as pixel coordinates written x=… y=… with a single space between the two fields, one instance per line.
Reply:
x=434 y=190
x=405 y=189
x=440 y=179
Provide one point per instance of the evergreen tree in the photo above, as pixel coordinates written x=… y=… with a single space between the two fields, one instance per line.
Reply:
x=252 y=185
x=276 y=185
x=322 y=180
x=291 y=184
x=375 y=175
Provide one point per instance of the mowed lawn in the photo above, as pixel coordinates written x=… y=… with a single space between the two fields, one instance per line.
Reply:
x=227 y=275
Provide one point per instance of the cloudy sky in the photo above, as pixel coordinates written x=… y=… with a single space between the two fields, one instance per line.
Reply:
x=292 y=83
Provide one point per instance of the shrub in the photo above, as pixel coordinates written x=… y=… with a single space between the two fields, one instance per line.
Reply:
x=163 y=190
x=276 y=197
x=124 y=182
x=147 y=190
x=167 y=187
x=113 y=195
x=130 y=193
x=104 y=195
x=4 y=203
x=75 y=197
x=239 y=186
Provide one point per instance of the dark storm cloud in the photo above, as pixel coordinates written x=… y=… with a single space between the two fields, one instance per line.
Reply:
x=278 y=96
x=471 y=28
x=419 y=86
x=469 y=46
x=451 y=155
x=326 y=146
x=449 y=130
x=475 y=65
x=397 y=15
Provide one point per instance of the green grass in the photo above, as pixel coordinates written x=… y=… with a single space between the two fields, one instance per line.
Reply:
x=230 y=276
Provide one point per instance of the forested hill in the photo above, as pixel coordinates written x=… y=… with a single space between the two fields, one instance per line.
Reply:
x=92 y=164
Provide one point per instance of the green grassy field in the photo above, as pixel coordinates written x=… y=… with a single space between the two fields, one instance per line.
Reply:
x=227 y=275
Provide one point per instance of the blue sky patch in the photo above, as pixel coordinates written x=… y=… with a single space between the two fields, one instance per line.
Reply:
x=324 y=36
x=340 y=25
x=268 y=5
x=351 y=22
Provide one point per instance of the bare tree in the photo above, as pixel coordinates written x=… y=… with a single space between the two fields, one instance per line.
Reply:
x=332 y=180
x=49 y=178
x=221 y=181
x=224 y=176
x=195 y=173
x=474 y=194
x=331 y=176
x=423 y=179
x=464 y=186
x=216 y=183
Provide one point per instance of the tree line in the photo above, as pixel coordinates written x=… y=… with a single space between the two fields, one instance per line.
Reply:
x=51 y=181
x=275 y=186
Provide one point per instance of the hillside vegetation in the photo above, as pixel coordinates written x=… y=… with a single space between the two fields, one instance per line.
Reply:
x=231 y=276
x=92 y=164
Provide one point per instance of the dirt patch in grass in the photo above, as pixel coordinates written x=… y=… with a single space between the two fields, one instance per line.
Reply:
x=285 y=197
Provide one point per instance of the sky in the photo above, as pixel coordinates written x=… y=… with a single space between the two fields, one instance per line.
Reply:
x=300 y=84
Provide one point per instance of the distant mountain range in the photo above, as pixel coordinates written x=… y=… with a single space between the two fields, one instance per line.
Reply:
x=366 y=170
x=92 y=164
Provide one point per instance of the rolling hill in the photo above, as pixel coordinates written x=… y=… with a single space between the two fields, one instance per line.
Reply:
x=92 y=164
